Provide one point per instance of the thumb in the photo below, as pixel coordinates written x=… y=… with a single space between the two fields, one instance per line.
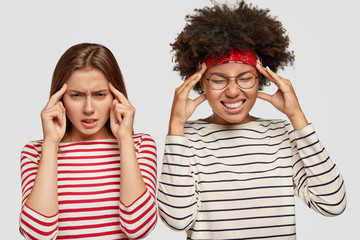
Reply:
x=200 y=99
x=264 y=96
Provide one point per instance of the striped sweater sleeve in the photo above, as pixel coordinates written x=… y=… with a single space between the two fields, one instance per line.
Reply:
x=317 y=179
x=139 y=218
x=177 y=192
x=33 y=225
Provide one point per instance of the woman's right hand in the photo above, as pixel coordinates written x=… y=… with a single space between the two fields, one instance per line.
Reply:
x=53 y=118
x=183 y=107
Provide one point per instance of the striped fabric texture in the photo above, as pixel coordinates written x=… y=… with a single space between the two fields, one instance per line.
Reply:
x=239 y=181
x=89 y=192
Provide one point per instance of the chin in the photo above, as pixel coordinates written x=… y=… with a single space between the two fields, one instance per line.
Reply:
x=227 y=119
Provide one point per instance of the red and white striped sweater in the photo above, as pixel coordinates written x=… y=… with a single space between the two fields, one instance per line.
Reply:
x=89 y=192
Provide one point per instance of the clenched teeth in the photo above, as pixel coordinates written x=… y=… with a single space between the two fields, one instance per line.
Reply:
x=233 y=105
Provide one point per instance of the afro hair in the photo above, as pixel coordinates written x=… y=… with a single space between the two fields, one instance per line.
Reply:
x=218 y=29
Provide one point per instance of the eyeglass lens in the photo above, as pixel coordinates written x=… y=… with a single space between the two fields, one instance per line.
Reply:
x=219 y=81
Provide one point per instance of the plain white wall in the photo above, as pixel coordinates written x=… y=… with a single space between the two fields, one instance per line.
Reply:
x=324 y=35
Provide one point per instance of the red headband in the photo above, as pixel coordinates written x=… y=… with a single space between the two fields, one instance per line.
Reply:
x=236 y=56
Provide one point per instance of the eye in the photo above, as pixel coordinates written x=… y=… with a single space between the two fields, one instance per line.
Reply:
x=217 y=78
x=217 y=81
x=75 y=95
x=100 y=95
x=245 y=77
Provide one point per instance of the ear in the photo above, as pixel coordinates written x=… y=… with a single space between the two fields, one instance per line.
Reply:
x=201 y=86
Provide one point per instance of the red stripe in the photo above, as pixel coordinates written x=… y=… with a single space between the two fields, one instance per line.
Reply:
x=88 y=178
x=89 y=171
x=88 y=157
x=93 y=209
x=89 y=150
x=90 y=235
x=87 y=218
x=138 y=219
x=26 y=178
x=25 y=161
x=148 y=146
x=88 y=164
x=88 y=143
x=42 y=233
x=49 y=224
x=148 y=165
x=149 y=228
x=100 y=225
x=132 y=231
x=28 y=153
x=129 y=212
x=88 y=185
x=87 y=193
x=97 y=200
x=148 y=152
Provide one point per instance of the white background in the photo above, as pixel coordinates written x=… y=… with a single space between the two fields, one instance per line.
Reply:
x=324 y=35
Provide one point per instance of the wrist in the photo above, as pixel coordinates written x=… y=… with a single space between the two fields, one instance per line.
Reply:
x=125 y=139
x=50 y=143
x=176 y=130
x=298 y=121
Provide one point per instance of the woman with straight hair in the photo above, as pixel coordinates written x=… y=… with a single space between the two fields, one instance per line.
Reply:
x=90 y=177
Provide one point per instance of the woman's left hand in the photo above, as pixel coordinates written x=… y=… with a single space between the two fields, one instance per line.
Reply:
x=284 y=99
x=121 y=115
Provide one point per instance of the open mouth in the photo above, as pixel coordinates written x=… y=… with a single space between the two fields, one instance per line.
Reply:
x=89 y=123
x=232 y=106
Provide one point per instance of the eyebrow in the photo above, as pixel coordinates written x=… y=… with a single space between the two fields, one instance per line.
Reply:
x=99 y=91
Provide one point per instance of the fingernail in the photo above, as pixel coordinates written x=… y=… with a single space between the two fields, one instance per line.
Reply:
x=267 y=67
x=203 y=65
x=63 y=85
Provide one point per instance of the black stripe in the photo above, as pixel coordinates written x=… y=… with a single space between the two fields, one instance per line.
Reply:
x=254 y=172
x=313 y=132
x=237 y=137
x=319 y=163
x=324 y=184
x=241 y=229
x=244 y=189
x=323 y=173
x=310 y=145
x=233 y=130
x=175 y=185
x=245 y=218
x=251 y=238
x=179 y=229
x=248 y=208
x=332 y=193
x=248 y=179
x=246 y=199
x=176 y=196
x=229 y=147
x=173 y=206
x=176 y=175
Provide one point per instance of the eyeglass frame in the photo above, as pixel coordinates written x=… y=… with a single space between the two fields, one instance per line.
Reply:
x=228 y=79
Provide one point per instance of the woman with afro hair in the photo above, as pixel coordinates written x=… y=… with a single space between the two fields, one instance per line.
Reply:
x=233 y=175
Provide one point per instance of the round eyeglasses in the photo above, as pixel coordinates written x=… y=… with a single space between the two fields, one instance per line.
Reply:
x=219 y=81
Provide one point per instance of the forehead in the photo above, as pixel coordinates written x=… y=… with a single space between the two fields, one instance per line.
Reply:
x=232 y=68
x=87 y=79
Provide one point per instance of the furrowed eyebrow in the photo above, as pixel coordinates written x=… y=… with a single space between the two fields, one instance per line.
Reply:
x=100 y=91
x=80 y=92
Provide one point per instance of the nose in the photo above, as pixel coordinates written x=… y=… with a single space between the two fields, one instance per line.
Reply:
x=88 y=106
x=232 y=90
